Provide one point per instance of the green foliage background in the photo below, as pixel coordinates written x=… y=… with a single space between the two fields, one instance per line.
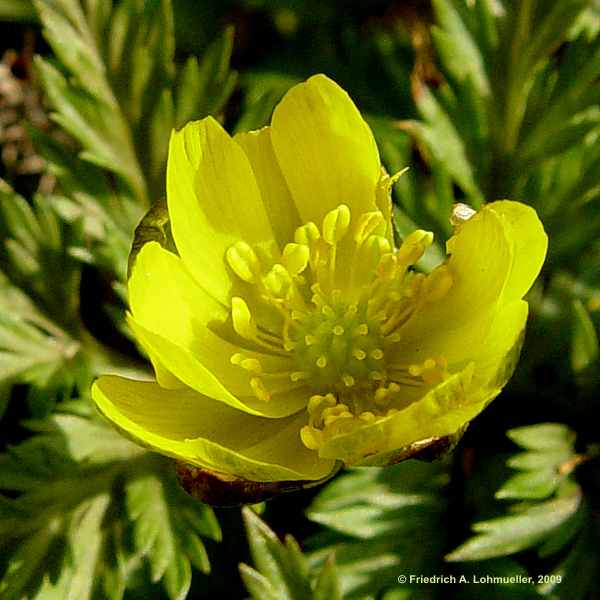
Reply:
x=483 y=99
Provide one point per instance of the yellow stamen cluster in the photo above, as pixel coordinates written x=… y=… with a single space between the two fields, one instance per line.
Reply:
x=328 y=313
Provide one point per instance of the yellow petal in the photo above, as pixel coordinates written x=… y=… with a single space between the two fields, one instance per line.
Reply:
x=213 y=201
x=456 y=325
x=499 y=354
x=445 y=409
x=442 y=411
x=166 y=299
x=279 y=205
x=215 y=375
x=326 y=150
x=529 y=245
x=193 y=428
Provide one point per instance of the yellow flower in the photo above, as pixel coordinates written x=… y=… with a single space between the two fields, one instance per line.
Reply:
x=287 y=332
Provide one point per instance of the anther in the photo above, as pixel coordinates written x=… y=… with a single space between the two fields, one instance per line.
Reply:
x=322 y=361
x=306 y=234
x=414 y=245
x=359 y=354
x=259 y=389
x=348 y=380
x=437 y=284
x=377 y=354
x=298 y=375
x=252 y=365
x=312 y=438
x=236 y=359
x=295 y=258
x=376 y=376
x=381 y=395
x=328 y=311
x=369 y=223
x=310 y=340
x=362 y=329
x=243 y=323
x=351 y=310
x=278 y=281
x=367 y=416
x=336 y=223
x=338 y=330
x=244 y=262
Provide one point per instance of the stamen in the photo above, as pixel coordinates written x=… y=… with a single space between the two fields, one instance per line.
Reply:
x=348 y=380
x=298 y=375
x=368 y=224
x=414 y=246
x=377 y=354
x=312 y=438
x=278 y=282
x=244 y=262
x=295 y=258
x=335 y=224
x=243 y=323
x=307 y=234
x=259 y=389
x=359 y=354
x=437 y=284
x=362 y=329
x=311 y=340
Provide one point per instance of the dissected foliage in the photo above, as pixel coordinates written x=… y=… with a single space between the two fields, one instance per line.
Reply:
x=483 y=99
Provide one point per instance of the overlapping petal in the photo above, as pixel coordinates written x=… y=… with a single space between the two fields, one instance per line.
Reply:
x=446 y=408
x=529 y=246
x=196 y=429
x=175 y=321
x=454 y=326
x=213 y=201
x=325 y=149
x=278 y=201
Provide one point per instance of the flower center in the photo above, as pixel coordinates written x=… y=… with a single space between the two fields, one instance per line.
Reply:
x=327 y=317
x=338 y=345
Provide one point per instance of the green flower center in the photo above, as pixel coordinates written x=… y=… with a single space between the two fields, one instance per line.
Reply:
x=339 y=346
x=327 y=317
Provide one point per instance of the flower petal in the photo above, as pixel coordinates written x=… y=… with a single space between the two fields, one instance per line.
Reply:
x=442 y=411
x=213 y=201
x=453 y=326
x=326 y=150
x=276 y=196
x=176 y=322
x=529 y=244
x=218 y=379
x=498 y=357
x=203 y=432
x=166 y=299
x=447 y=408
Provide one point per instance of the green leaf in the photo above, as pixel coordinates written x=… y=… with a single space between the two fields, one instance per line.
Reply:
x=545 y=436
x=64 y=531
x=153 y=536
x=34 y=246
x=584 y=340
x=508 y=535
x=17 y=10
x=381 y=523
x=327 y=586
x=282 y=571
x=459 y=51
x=32 y=348
x=204 y=86
x=545 y=466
